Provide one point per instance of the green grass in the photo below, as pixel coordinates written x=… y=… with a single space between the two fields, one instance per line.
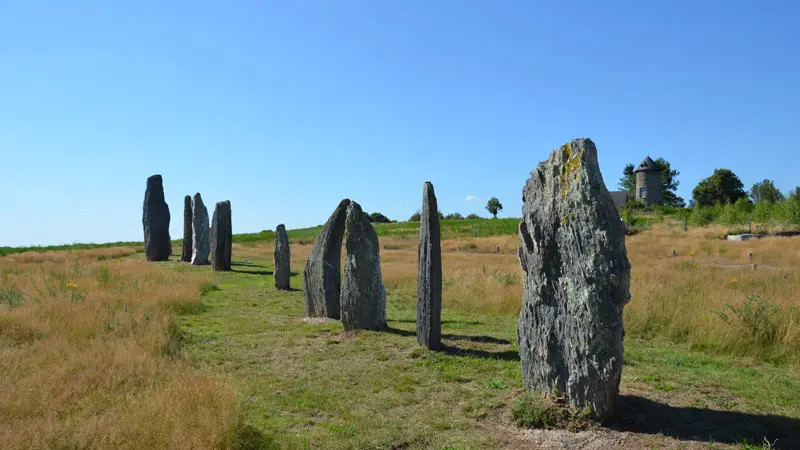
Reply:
x=311 y=385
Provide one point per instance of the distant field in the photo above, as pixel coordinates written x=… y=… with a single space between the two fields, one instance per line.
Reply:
x=450 y=229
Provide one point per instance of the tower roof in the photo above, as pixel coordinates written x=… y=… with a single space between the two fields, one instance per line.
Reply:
x=648 y=165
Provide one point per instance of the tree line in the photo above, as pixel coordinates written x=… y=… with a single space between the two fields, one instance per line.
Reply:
x=722 y=196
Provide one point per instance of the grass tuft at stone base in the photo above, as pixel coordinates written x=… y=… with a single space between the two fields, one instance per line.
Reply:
x=533 y=410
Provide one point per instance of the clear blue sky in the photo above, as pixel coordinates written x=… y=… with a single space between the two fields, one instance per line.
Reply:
x=286 y=107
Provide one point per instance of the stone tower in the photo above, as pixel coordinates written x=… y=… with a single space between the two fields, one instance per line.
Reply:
x=648 y=182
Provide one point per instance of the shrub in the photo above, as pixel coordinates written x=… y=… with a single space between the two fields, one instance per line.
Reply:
x=415 y=217
x=377 y=217
x=454 y=216
x=536 y=411
x=757 y=317
x=473 y=216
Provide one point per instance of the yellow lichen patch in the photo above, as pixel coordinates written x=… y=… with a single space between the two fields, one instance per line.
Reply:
x=572 y=164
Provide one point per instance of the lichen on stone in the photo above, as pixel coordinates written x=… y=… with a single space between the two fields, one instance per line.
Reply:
x=570 y=167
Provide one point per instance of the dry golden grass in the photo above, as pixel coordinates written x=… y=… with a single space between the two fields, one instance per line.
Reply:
x=87 y=352
x=683 y=298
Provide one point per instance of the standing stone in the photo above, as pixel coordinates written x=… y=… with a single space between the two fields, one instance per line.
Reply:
x=282 y=258
x=429 y=275
x=576 y=278
x=201 y=232
x=322 y=277
x=363 y=294
x=155 y=221
x=221 y=236
x=186 y=254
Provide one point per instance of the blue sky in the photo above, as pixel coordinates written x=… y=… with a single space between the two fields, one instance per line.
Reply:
x=285 y=107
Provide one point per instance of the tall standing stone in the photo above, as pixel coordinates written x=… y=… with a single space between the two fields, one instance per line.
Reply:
x=576 y=278
x=322 y=277
x=363 y=299
x=221 y=236
x=282 y=258
x=201 y=232
x=429 y=275
x=155 y=221
x=186 y=254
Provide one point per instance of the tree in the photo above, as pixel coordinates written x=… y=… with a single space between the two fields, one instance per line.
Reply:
x=454 y=216
x=669 y=183
x=765 y=191
x=628 y=180
x=473 y=216
x=721 y=187
x=377 y=217
x=441 y=216
x=415 y=217
x=494 y=206
x=794 y=194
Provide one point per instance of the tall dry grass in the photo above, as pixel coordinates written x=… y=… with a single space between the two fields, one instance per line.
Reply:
x=87 y=356
x=707 y=295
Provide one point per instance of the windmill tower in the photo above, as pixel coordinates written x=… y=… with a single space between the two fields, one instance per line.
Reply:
x=648 y=182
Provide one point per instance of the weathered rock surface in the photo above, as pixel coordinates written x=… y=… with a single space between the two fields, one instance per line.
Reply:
x=186 y=254
x=429 y=275
x=322 y=277
x=155 y=221
x=282 y=257
x=201 y=232
x=363 y=299
x=576 y=281
x=221 y=236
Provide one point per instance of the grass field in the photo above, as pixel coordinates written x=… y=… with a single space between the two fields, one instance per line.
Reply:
x=103 y=349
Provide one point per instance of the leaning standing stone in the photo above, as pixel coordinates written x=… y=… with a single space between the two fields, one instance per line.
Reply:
x=322 y=277
x=576 y=281
x=186 y=254
x=363 y=294
x=221 y=236
x=282 y=258
x=429 y=276
x=155 y=221
x=201 y=232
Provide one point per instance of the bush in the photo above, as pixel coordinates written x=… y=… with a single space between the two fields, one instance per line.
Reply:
x=454 y=216
x=473 y=216
x=415 y=217
x=533 y=410
x=757 y=317
x=377 y=217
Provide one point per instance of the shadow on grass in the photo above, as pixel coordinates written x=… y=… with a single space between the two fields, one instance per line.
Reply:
x=505 y=355
x=443 y=322
x=250 y=438
x=239 y=263
x=253 y=272
x=642 y=415
x=483 y=339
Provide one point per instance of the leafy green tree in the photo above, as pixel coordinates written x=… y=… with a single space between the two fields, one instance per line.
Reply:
x=669 y=183
x=628 y=180
x=494 y=206
x=454 y=216
x=794 y=194
x=441 y=216
x=765 y=191
x=721 y=187
x=377 y=217
x=415 y=217
x=473 y=216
